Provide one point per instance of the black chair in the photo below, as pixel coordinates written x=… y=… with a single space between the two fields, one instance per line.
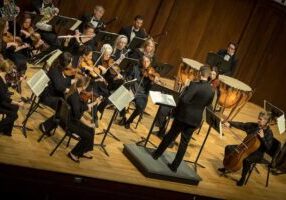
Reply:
x=62 y=118
x=273 y=153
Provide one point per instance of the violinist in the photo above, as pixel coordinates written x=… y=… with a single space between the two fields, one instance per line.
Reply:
x=17 y=51
x=262 y=130
x=119 y=49
x=147 y=49
x=59 y=81
x=78 y=124
x=8 y=106
x=141 y=89
x=28 y=35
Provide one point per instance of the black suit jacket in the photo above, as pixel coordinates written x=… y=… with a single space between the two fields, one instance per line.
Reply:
x=232 y=60
x=192 y=102
x=5 y=99
x=127 y=32
x=87 y=18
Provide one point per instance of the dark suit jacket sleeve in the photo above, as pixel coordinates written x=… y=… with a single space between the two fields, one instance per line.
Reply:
x=59 y=82
x=240 y=125
x=267 y=139
x=4 y=97
x=189 y=93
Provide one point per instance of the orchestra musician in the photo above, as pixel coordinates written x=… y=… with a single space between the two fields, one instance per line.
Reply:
x=40 y=5
x=119 y=49
x=95 y=18
x=214 y=78
x=187 y=116
x=141 y=89
x=17 y=50
x=229 y=55
x=134 y=30
x=8 y=107
x=78 y=123
x=60 y=82
x=264 y=134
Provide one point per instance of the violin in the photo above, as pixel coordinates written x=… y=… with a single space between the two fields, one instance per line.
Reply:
x=8 y=37
x=13 y=78
x=112 y=66
x=150 y=73
x=36 y=38
x=87 y=66
x=233 y=160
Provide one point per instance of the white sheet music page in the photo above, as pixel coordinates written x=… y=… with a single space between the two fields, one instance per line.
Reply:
x=281 y=124
x=38 y=82
x=121 y=98
x=160 y=98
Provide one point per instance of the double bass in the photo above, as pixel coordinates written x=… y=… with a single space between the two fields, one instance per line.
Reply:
x=233 y=160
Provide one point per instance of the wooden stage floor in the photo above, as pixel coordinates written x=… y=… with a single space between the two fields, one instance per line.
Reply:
x=27 y=152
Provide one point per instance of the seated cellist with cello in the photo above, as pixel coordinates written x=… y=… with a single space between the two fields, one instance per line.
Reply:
x=258 y=141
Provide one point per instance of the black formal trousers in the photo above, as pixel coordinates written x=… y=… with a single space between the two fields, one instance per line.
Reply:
x=177 y=127
x=6 y=125
x=161 y=120
x=248 y=161
x=140 y=105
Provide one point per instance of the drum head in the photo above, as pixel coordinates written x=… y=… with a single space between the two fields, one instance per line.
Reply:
x=234 y=83
x=192 y=63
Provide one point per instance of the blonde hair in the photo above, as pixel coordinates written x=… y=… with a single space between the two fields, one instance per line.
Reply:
x=6 y=66
x=120 y=37
x=106 y=48
x=145 y=44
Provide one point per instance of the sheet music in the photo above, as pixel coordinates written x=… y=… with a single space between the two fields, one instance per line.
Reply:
x=76 y=25
x=38 y=82
x=281 y=123
x=160 y=98
x=121 y=98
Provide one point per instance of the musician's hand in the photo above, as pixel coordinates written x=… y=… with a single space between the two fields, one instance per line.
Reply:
x=157 y=79
x=119 y=76
x=27 y=34
x=187 y=82
x=226 y=124
x=10 y=44
x=20 y=104
x=67 y=90
x=73 y=81
x=103 y=69
x=261 y=133
x=92 y=125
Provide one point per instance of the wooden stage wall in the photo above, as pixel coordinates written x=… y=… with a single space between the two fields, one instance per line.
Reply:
x=196 y=27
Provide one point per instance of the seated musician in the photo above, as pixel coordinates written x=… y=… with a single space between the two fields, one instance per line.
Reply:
x=16 y=51
x=134 y=30
x=8 y=107
x=95 y=18
x=78 y=123
x=214 y=78
x=60 y=82
x=229 y=55
x=141 y=89
x=187 y=116
x=264 y=134
x=147 y=49
x=77 y=44
x=39 y=5
x=119 y=49
x=29 y=36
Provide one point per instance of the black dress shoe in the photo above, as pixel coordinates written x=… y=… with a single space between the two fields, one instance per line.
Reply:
x=155 y=156
x=42 y=129
x=127 y=125
x=172 y=168
x=223 y=170
x=87 y=157
x=122 y=121
x=240 y=182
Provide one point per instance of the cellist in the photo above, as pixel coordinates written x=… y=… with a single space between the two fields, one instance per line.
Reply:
x=264 y=134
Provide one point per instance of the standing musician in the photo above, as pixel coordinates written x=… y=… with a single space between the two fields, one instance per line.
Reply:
x=264 y=134
x=28 y=35
x=145 y=77
x=78 y=124
x=187 y=116
x=60 y=80
x=78 y=43
x=17 y=50
x=8 y=107
x=134 y=30
x=95 y=18
x=229 y=55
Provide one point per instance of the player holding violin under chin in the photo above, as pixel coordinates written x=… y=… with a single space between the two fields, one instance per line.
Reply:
x=255 y=131
x=145 y=76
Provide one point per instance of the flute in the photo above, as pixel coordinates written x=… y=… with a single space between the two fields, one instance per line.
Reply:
x=73 y=36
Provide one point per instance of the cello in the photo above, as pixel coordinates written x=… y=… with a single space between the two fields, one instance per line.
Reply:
x=233 y=160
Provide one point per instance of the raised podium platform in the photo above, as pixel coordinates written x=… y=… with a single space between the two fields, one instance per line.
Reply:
x=158 y=169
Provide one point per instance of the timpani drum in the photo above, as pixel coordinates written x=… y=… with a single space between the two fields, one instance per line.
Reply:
x=188 y=71
x=233 y=94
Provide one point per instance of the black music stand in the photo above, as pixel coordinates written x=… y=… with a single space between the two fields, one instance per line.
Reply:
x=120 y=99
x=277 y=115
x=166 y=100
x=37 y=84
x=214 y=122
x=214 y=59
x=62 y=24
x=136 y=42
x=106 y=37
x=127 y=64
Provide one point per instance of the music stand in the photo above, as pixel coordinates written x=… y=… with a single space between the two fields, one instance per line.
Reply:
x=127 y=63
x=37 y=84
x=62 y=24
x=162 y=100
x=214 y=59
x=136 y=42
x=277 y=115
x=106 y=37
x=120 y=99
x=214 y=122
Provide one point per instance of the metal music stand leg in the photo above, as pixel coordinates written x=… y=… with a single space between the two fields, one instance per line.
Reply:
x=146 y=140
x=201 y=149
x=106 y=132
